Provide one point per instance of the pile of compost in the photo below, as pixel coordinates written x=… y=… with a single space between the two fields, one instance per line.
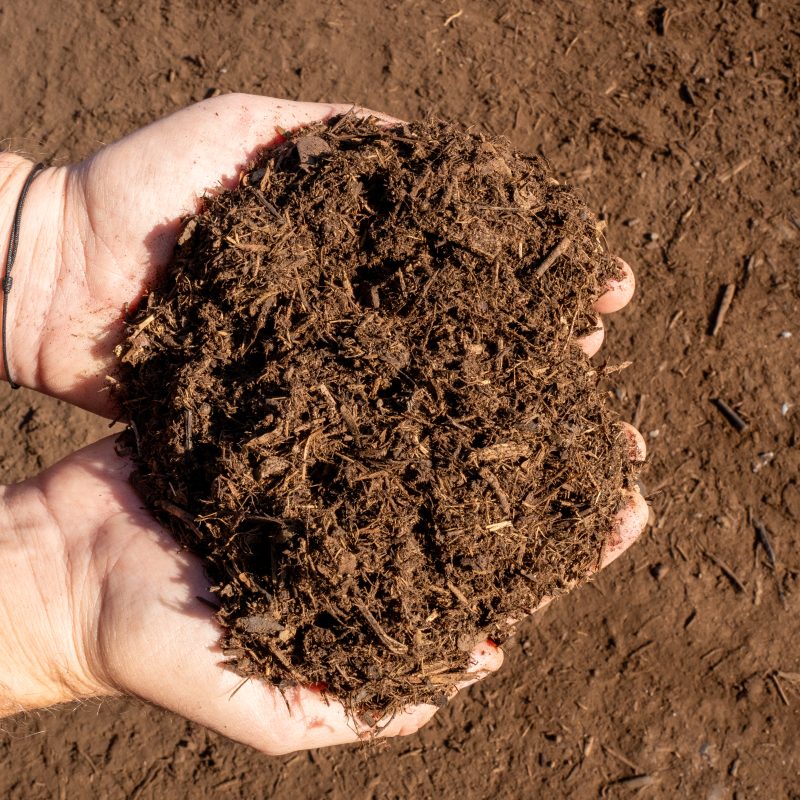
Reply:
x=358 y=395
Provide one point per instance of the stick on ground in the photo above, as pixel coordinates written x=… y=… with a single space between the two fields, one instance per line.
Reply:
x=725 y=300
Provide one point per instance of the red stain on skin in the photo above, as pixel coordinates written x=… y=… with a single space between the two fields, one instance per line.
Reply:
x=614 y=540
x=315 y=723
x=280 y=136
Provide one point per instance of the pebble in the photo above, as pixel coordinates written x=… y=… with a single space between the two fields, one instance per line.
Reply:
x=658 y=571
x=763 y=460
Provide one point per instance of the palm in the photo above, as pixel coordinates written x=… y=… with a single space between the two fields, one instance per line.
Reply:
x=149 y=634
x=123 y=209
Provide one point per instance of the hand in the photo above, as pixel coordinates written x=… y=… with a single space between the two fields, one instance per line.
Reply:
x=104 y=602
x=97 y=234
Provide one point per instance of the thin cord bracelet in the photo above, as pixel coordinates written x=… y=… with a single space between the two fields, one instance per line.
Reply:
x=8 y=281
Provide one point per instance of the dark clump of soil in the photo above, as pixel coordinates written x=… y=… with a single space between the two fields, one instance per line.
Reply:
x=358 y=396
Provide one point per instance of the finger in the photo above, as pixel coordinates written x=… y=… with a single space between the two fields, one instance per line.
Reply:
x=619 y=292
x=616 y=297
x=591 y=343
x=632 y=518
x=637 y=449
x=629 y=524
x=631 y=521
x=486 y=658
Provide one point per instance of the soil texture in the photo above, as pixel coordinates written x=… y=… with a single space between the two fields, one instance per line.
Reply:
x=359 y=396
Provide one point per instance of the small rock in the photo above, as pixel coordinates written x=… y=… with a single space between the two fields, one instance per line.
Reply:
x=762 y=461
x=309 y=148
x=659 y=570
x=255 y=176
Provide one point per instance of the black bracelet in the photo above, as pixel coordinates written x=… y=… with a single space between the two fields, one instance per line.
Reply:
x=12 y=254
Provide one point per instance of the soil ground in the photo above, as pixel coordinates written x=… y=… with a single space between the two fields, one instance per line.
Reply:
x=680 y=122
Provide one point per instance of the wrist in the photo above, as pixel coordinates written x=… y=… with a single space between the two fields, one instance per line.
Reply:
x=45 y=628
x=28 y=304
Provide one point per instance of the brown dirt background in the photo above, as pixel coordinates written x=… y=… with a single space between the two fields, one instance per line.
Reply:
x=653 y=110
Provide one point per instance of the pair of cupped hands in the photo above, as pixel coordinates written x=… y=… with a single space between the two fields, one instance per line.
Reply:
x=96 y=599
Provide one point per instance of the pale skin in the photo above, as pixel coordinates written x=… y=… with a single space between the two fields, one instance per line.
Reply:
x=100 y=601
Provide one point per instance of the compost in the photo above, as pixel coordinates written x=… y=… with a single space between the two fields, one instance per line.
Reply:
x=358 y=395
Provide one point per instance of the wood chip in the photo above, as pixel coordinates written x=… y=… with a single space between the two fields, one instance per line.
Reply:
x=725 y=300
x=552 y=257
x=738 y=584
x=730 y=415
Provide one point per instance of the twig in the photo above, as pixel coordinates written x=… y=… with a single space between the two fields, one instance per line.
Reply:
x=179 y=513
x=149 y=776
x=553 y=256
x=239 y=685
x=774 y=677
x=458 y=593
x=135 y=430
x=637 y=415
x=749 y=264
x=330 y=399
x=725 y=301
x=142 y=325
x=628 y=763
x=674 y=319
x=300 y=289
x=763 y=540
x=188 y=429
x=396 y=647
x=88 y=760
x=502 y=497
x=636 y=781
x=733 y=171
x=729 y=573
x=733 y=418
x=572 y=43
x=283 y=661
